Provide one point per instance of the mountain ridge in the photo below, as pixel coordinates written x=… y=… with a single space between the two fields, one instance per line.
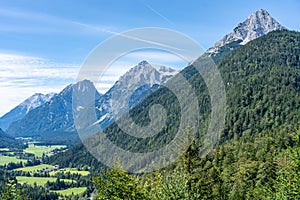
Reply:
x=54 y=119
x=23 y=108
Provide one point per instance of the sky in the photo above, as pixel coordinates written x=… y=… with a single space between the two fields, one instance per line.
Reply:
x=43 y=43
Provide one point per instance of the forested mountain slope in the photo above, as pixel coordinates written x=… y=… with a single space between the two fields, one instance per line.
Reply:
x=258 y=155
x=262 y=81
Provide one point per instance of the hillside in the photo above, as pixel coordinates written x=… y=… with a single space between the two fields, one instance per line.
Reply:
x=262 y=84
x=8 y=142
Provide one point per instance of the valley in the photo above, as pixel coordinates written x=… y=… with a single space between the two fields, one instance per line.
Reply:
x=28 y=168
x=46 y=155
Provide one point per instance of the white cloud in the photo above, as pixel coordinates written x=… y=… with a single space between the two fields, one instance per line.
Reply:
x=19 y=66
x=21 y=76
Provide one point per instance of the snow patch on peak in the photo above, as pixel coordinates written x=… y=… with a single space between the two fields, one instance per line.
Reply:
x=35 y=101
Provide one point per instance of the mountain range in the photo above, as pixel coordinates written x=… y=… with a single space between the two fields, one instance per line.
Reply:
x=256 y=155
x=53 y=120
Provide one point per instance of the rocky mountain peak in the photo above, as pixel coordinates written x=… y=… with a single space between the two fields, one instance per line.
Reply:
x=36 y=100
x=146 y=73
x=256 y=25
x=143 y=63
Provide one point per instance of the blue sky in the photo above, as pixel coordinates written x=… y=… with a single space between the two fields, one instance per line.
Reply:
x=43 y=43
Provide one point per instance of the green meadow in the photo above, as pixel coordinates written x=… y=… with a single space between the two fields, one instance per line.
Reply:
x=70 y=191
x=39 y=150
x=4 y=160
x=72 y=171
x=41 y=181
x=34 y=168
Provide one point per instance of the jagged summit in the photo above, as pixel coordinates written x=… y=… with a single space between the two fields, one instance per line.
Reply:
x=256 y=25
x=142 y=63
x=36 y=100
x=144 y=72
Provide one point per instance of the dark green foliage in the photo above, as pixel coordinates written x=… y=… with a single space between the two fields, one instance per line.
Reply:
x=13 y=192
x=75 y=157
x=117 y=185
x=262 y=84
x=287 y=183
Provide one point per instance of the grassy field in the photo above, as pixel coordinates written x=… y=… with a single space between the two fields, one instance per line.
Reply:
x=71 y=191
x=34 y=168
x=72 y=171
x=38 y=180
x=8 y=159
x=39 y=150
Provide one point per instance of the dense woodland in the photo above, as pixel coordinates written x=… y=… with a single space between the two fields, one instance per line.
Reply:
x=258 y=155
